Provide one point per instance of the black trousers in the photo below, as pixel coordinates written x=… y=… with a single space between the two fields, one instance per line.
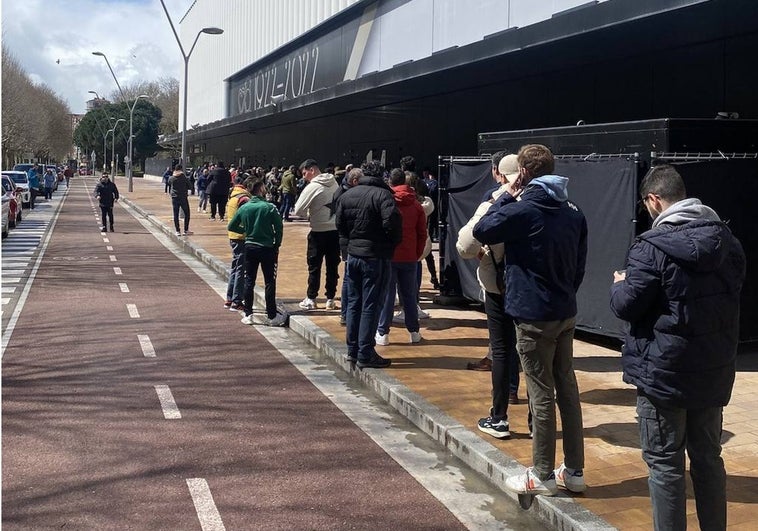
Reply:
x=218 y=203
x=504 y=355
x=323 y=246
x=266 y=258
x=183 y=204
x=106 y=212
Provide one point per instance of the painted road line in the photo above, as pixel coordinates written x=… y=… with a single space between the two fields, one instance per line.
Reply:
x=147 y=346
x=124 y=287
x=112 y=258
x=132 y=309
x=12 y=272
x=10 y=289
x=5 y=300
x=170 y=410
x=106 y=240
x=6 y=279
x=117 y=271
x=207 y=513
x=108 y=247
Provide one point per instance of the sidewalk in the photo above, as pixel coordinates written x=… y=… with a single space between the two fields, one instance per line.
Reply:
x=429 y=384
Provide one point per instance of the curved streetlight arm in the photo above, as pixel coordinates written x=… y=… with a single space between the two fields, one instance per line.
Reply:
x=101 y=54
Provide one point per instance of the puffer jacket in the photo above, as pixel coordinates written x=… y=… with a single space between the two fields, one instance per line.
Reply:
x=289 y=185
x=681 y=297
x=219 y=182
x=414 y=225
x=545 y=237
x=368 y=218
x=317 y=202
x=469 y=247
x=237 y=194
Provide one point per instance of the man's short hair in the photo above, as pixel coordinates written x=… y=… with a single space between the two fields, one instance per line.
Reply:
x=497 y=157
x=308 y=163
x=665 y=182
x=354 y=174
x=537 y=159
x=372 y=168
x=220 y=164
x=408 y=163
x=397 y=177
x=257 y=184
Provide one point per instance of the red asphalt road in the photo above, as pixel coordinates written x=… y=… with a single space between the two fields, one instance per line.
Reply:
x=85 y=443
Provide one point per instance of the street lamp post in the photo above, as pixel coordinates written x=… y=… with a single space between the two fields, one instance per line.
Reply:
x=113 y=149
x=105 y=153
x=131 y=140
x=101 y=54
x=186 y=57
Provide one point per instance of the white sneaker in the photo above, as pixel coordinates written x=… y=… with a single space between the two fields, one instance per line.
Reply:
x=382 y=339
x=330 y=304
x=178 y=233
x=416 y=337
x=570 y=479
x=528 y=483
x=399 y=317
x=307 y=304
x=248 y=319
x=422 y=314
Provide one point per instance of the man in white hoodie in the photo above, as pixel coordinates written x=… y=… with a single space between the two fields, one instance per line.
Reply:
x=317 y=202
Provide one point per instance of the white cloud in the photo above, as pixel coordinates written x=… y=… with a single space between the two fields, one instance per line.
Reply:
x=134 y=34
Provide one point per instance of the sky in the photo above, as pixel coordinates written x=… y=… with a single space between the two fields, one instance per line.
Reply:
x=54 y=39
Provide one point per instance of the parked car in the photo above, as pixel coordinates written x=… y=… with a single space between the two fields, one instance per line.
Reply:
x=6 y=215
x=14 y=205
x=22 y=181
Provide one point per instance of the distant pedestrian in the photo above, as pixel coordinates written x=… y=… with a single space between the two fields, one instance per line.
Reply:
x=262 y=226
x=368 y=218
x=545 y=237
x=68 y=173
x=33 y=176
x=49 y=181
x=202 y=183
x=179 y=187
x=166 y=177
x=288 y=188
x=219 y=183
x=680 y=293
x=106 y=193
x=317 y=203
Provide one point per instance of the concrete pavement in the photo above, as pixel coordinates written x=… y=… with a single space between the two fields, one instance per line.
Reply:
x=428 y=383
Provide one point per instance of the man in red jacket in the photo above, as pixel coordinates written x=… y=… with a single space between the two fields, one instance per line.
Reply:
x=404 y=261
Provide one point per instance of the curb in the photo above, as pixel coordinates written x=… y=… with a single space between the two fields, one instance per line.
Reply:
x=559 y=512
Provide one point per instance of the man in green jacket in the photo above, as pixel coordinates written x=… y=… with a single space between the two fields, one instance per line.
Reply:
x=262 y=226
x=288 y=188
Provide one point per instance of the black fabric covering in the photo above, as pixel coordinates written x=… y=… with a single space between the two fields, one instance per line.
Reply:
x=604 y=189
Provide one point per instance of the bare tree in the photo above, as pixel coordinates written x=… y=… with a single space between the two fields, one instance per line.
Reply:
x=163 y=93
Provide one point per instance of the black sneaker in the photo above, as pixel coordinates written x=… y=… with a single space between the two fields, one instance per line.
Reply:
x=499 y=429
x=375 y=362
x=351 y=359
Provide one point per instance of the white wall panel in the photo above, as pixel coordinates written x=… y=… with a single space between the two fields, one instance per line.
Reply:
x=402 y=31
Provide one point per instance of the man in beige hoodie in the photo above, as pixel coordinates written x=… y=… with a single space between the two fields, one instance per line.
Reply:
x=316 y=201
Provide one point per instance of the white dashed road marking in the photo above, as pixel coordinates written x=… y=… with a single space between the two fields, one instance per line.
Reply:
x=112 y=258
x=170 y=410
x=207 y=513
x=133 y=313
x=117 y=270
x=124 y=287
x=147 y=346
x=108 y=247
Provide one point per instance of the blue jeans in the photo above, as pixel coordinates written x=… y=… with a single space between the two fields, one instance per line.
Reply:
x=288 y=200
x=236 y=285
x=366 y=288
x=665 y=433
x=203 y=201
x=402 y=280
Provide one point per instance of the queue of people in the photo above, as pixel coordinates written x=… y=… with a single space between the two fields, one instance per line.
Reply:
x=679 y=292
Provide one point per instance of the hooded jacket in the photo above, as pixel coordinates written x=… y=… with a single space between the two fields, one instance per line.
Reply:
x=219 y=182
x=289 y=185
x=681 y=297
x=368 y=219
x=235 y=197
x=317 y=202
x=411 y=247
x=545 y=237
x=179 y=184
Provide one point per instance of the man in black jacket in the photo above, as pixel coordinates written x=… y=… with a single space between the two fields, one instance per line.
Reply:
x=106 y=194
x=180 y=185
x=680 y=294
x=369 y=221
x=217 y=188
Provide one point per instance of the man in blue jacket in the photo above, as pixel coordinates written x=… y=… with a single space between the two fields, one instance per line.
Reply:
x=680 y=294
x=545 y=237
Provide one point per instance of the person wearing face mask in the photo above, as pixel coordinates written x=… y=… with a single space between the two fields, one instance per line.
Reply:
x=106 y=193
x=680 y=293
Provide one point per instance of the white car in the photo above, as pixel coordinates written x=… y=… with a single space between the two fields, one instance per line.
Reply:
x=22 y=181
